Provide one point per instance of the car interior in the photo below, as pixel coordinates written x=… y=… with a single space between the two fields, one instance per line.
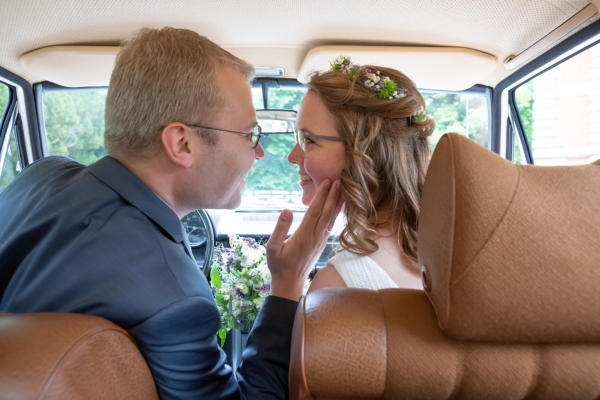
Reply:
x=508 y=248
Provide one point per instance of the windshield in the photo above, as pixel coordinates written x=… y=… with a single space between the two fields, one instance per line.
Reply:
x=74 y=126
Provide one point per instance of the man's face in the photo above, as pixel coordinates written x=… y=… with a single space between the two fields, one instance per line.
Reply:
x=221 y=169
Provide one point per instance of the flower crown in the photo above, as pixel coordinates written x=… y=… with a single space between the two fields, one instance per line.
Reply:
x=383 y=86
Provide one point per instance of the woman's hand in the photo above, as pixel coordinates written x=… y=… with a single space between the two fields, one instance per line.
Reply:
x=290 y=260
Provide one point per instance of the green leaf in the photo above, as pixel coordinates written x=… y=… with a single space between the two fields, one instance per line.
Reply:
x=222 y=335
x=215 y=276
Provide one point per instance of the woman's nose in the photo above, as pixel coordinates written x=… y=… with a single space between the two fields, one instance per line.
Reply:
x=295 y=156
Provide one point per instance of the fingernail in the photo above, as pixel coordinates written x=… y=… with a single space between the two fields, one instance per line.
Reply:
x=336 y=185
x=285 y=215
x=327 y=184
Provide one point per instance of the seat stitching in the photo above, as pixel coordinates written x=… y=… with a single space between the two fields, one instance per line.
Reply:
x=56 y=367
x=457 y=281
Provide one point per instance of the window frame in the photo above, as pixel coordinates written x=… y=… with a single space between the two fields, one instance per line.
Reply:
x=20 y=113
x=505 y=111
x=46 y=87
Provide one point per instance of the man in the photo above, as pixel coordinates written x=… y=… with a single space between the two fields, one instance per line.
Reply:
x=106 y=239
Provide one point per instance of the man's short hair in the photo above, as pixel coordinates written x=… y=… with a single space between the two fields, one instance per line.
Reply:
x=163 y=76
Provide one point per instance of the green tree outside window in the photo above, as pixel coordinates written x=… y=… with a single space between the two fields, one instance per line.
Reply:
x=75 y=124
x=4 y=96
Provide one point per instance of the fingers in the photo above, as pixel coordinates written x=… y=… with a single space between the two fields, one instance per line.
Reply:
x=314 y=211
x=281 y=230
x=334 y=215
x=330 y=210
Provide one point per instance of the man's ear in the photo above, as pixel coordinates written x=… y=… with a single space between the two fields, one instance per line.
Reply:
x=176 y=139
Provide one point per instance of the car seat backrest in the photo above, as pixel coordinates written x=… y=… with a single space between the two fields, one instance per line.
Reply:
x=70 y=356
x=509 y=259
x=510 y=252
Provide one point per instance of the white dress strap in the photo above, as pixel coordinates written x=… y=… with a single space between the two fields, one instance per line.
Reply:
x=360 y=271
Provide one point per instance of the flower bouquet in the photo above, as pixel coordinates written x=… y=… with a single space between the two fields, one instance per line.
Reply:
x=240 y=282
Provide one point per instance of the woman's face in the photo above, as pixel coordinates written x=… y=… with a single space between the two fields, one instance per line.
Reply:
x=322 y=158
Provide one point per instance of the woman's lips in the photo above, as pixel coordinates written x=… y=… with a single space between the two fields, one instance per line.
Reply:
x=305 y=180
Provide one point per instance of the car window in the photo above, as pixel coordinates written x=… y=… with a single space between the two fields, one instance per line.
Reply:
x=560 y=112
x=273 y=182
x=257 y=98
x=74 y=122
x=286 y=98
x=4 y=97
x=11 y=165
x=463 y=113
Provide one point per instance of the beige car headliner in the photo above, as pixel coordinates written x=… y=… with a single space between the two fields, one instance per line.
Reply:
x=280 y=33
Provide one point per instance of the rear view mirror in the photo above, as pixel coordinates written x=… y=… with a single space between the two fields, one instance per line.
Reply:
x=276 y=121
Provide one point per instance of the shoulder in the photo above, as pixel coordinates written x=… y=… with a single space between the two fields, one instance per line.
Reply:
x=326 y=277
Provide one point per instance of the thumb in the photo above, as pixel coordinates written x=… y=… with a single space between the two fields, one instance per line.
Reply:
x=281 y=230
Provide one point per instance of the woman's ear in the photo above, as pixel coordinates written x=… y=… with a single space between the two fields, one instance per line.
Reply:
x=176 y=139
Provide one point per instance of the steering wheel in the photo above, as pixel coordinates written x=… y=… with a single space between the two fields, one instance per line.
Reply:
x=199 y=229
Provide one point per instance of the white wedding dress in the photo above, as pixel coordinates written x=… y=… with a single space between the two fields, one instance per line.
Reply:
x=360 y=271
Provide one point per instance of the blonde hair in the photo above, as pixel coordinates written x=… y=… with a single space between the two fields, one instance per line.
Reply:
x=387 y=153
x=163 y=76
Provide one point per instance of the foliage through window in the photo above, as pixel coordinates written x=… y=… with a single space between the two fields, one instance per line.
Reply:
x=560 y=112
x=463 y=113
x=274 y=183
x=74 y=121
x=4 y=98
x=12 y=164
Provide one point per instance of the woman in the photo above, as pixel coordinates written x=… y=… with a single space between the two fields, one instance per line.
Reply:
x=366 y=125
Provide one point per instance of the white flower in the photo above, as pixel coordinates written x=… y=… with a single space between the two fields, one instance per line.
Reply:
x=243 y=288
x=263 y=293
x=263 y=270
x=250 y=255
x=258 y=302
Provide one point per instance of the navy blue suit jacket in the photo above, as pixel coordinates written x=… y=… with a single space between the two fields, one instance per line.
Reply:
x=96 y=240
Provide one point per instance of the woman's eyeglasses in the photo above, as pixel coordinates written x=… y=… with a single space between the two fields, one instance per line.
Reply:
x=302 y=136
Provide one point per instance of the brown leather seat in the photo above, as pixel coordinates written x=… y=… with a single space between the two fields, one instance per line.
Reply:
x=70 y=356
x=510 y=259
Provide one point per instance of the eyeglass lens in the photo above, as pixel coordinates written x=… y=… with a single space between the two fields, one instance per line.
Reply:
x=255 y=136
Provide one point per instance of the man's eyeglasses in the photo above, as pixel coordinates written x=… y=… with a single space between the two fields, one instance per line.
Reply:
x=302 y=136
x=254 y=135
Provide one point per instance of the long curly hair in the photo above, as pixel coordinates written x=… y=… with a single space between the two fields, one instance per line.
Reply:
x=387 y=153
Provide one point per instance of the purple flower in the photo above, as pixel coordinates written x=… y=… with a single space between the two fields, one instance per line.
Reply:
x=250 y=242
x=239 y=293
x=214 y=290
x=264 y=287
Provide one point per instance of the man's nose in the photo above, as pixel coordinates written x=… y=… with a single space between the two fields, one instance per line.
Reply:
x=259 y=152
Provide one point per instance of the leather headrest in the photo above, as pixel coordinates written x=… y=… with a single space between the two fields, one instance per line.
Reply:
x=510 y=252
